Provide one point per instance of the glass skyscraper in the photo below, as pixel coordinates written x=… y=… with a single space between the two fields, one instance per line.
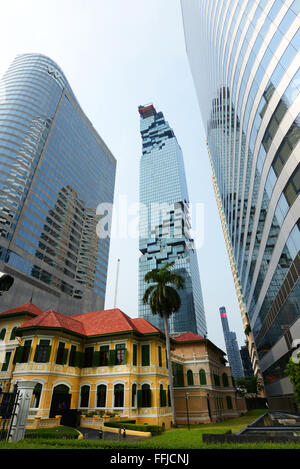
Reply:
x=165 y=222
x=244 y=58
x=55 y=171
x=232 y=348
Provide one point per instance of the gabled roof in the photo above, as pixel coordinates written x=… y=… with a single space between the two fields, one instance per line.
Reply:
x=26 y=308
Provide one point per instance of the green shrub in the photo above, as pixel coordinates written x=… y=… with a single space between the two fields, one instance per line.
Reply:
x=131 y=425
x=60 y=432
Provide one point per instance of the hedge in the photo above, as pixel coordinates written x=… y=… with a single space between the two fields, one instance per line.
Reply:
x=55 y=432
x=131 y=425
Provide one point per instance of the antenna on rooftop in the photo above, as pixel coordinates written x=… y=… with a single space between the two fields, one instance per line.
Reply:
x=117 y=280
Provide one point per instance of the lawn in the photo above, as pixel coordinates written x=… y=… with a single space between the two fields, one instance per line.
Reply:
x=177 y=438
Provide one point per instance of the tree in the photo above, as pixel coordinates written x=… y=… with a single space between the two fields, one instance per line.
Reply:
x=164 y=300
x=249 y=385
x=293 y=372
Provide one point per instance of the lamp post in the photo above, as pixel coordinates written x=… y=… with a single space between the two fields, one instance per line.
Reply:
x=187 y=408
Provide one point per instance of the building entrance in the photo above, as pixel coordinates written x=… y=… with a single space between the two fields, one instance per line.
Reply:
x=60 y=404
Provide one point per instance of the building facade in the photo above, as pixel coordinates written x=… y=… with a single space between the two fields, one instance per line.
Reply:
x=232 y=347
x=100 y=362
x=55 y=171
x=165 y=223
x=204 y=387
x=106 y=363
x=244 y=58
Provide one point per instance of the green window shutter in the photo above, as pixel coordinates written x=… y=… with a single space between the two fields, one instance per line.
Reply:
x=6 y=363
x=164 y=398
x=134 y=354
x=229 y=402
x=149 y=397
x=202 y=377
x=225 y=380
x=217 y=379
x=125 y=357
x=159 y=356
x=146 y=355
x=36 y=353
x=48 y=354
x=134 y=391
x=178 y=374
x=190 y=378
x=96 y=358
x=139 y=398
x=13 y=334
x=18 y=355
x=111 y=357
x=162 y=395
x=78 y=360
x=65 y=356
x=2 y=334
x=72 y=355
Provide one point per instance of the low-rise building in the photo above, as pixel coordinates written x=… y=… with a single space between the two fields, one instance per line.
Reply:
x=204 y=388
x=108 y=363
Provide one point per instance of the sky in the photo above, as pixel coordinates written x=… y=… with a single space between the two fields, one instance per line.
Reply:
x=117 y=55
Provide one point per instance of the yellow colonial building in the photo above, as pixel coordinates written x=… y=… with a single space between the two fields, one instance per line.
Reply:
x=105 y=362
x=101 y=362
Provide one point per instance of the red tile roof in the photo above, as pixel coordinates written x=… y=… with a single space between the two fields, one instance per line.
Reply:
x=188 y=337
x=27 y=308
x=94 y=323
x=51 y=318
x=145 y=326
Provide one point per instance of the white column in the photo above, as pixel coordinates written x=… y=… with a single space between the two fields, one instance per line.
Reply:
x=19 y=420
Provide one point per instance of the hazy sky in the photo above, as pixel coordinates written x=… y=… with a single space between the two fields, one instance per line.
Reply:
x=116 y=55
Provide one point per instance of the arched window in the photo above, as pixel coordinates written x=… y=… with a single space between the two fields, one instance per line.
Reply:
x=36 y=396
x=144 y=396
x=119 y=395
x=225 y=380
x=202 y=376
x=229 y=402
x=190 y=378
x=101 y=395
x=13 y=333
x=84 y=396
x=133 y=395
x=2 y=333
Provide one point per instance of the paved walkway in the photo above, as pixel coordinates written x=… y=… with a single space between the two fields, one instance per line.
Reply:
x=92 y=434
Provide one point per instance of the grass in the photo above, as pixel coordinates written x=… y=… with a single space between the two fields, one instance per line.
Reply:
x=177 y=438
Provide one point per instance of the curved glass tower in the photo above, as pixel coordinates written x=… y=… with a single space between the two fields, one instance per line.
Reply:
x=244 y=57
x=55 y=171
x=164 y=222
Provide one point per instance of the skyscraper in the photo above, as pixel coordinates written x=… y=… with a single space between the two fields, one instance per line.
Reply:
x=244 y=58
x=232 y=348
x=55 y=171
x=164 y=221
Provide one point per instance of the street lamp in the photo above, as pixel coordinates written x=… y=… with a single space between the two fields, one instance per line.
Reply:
x=187 y=408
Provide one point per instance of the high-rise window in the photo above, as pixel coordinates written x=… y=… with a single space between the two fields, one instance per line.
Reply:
x=165 y=223
x=244 y=58
x=55 y=171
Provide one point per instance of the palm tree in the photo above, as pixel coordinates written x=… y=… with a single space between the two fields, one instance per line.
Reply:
x=164 y=300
